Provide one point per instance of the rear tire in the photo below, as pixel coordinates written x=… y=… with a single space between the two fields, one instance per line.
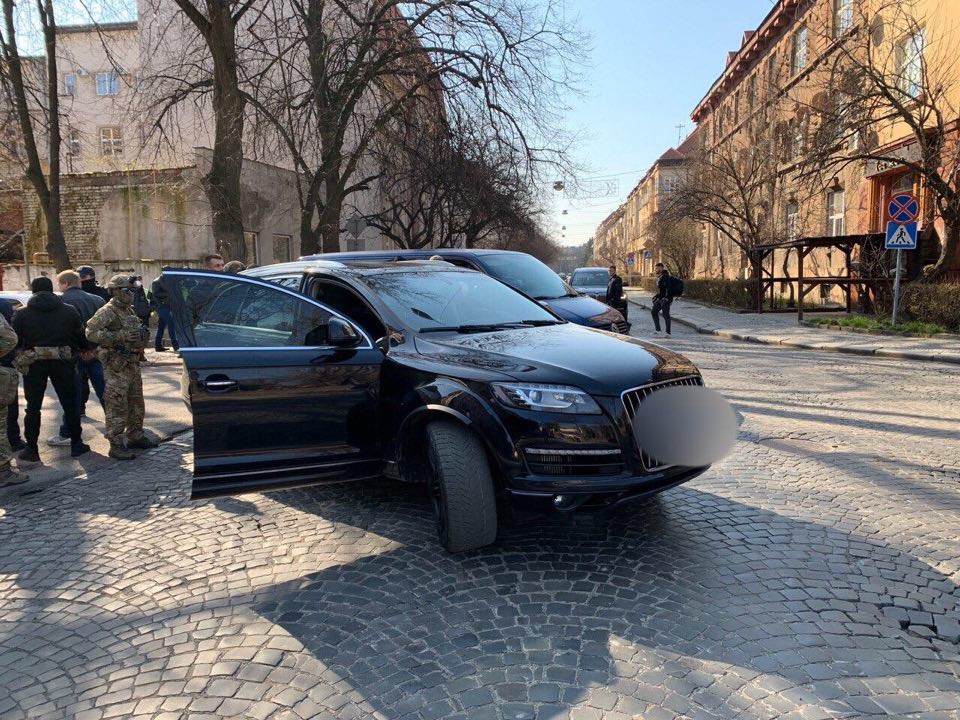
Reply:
x=460 y=487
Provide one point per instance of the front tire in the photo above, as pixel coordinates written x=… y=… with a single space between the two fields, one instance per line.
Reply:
x=461 y=488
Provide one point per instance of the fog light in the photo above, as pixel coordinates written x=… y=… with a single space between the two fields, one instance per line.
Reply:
x=559 y=501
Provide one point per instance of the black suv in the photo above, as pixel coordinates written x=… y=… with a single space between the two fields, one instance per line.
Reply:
x=312 y=372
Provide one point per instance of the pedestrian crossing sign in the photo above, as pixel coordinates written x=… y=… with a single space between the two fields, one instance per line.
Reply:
x=901 y=236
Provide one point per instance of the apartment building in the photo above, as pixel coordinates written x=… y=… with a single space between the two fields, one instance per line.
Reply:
x=627 y=232
x=772 y=91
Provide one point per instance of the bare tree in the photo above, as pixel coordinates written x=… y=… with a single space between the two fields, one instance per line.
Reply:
x=678 y=240
x=887 y=81
x=345 y=71
x=32 y=93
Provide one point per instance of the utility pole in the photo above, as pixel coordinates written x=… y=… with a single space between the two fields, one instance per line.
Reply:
x=680 y=129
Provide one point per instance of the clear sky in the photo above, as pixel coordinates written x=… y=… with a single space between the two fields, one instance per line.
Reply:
x=652 y=61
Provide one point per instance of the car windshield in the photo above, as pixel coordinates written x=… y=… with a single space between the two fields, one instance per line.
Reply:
x=454 y=299
x=526 y=274
x=590 y=278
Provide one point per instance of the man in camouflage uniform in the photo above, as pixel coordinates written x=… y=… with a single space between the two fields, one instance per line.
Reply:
x=9 y=384
x=117 y=330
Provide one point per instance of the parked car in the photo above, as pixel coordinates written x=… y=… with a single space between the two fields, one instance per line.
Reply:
x=591 y=281
x=518 y=270
x=17 y=298
x=314 y=372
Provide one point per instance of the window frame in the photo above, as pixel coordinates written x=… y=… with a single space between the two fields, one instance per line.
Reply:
x=910 y=59
x=836 y=214
x=251 y=243
x=111 y=81
x=288 y=240
x=842 y=17
x=70 y=85
x=799 y=50
x=115 y=138
x=791 y=219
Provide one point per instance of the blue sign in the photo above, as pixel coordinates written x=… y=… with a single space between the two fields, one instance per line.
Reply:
x=647 y=255
x=901 y=236
x=903 y=208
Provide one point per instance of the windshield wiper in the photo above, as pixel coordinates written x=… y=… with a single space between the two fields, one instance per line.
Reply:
x=421 y=313
x=541 y=323
x=490 y=327
x=555 y=297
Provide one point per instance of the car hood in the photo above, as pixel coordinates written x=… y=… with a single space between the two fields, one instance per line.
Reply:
x=599 y=362
x=577 y=309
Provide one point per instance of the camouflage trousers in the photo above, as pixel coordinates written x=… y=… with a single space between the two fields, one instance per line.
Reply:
x=123 y=399
x=5 y=451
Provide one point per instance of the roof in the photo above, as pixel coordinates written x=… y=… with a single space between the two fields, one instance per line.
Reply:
x=359 y=255
x=98 y=27
x=354 y=267
x=754 y=43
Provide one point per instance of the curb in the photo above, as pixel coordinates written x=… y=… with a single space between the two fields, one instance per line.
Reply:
x=796 y=345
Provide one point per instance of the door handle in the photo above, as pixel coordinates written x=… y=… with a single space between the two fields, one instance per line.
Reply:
x=220 y=385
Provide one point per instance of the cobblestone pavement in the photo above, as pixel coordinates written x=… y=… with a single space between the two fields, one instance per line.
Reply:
x=781 y=329
x=812 y=574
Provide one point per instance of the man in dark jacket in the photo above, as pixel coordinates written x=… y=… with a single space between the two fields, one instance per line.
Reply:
x=160 y=301
x=663 y=298
x=89 y=371
x=13 y=409
x=615 y=292
x=88 y=283
x=50 y=334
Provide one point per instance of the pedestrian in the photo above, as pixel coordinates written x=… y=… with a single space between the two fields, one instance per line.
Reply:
x=50 y=334
x=9 y=386
x=141 y=307
x=89 y=371
x=234 y=267
x=88 y=283
x=160 y=301
x=213 y=262
x=663 y=299
x=13 y=407
x=615 y=291
x=121 y=337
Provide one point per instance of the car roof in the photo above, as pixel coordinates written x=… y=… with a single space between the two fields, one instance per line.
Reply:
x=350 y=267
x=425 y=252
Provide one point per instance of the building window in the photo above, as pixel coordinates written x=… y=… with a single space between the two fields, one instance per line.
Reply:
x=836 y=225
x=794 y=139
x=798 y=51
x=751 y=93
x=282 y=248
x=73 y=142
x=252 y=242
x=791 y=220
x=669 y=184
x=910 y=63
x=736 y=108
x=842 y=17
x=70 y=85
x=111 y=142
x=773 y=75
x=108 y=83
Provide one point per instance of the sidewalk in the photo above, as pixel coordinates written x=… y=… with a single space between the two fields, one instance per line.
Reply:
x=782 y=330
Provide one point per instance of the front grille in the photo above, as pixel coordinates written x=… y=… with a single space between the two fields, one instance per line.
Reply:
x=632 y=399
x=551 y=461
x=620 y=326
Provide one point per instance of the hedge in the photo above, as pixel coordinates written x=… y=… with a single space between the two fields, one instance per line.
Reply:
x=937 y=303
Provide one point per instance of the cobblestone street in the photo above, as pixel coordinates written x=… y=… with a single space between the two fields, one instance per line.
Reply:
x=812 y=574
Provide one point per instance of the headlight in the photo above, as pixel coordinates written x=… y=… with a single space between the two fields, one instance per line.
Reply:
x=601 y=321
x=546 y=398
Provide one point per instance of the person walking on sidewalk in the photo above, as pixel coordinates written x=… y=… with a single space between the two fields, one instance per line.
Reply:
x=13 y=408
x=160 y=301
x=663 y=299
x=117 y=330
x=89 y=371
x=9 y=387
x=50 y=334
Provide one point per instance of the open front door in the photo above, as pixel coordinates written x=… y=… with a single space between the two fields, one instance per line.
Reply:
x=284 y=391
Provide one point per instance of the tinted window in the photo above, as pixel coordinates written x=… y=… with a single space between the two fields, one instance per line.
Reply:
x=435 y=299
x=590 y=278
x=526 y=274
x=228 y=312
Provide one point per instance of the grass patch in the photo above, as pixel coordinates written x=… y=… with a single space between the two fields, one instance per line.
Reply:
x=861 y=322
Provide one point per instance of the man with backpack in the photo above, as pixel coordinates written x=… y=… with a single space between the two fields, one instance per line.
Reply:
x=668 y=287
x=615 y=297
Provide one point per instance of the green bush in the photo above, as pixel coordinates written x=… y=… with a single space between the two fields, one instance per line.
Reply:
x=937 y=303
x=737 y=294
x=861 y=322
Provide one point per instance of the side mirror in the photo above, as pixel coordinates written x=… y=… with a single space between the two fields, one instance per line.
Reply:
x=340 y=333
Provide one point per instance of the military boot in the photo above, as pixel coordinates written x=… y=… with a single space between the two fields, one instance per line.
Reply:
x=119 y=452
x=142 y=443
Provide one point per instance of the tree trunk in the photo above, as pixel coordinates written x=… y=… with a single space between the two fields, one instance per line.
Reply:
x=332 y=209
x=948 y=248
x=48 y=194
x=309 y=234
x=222 y=183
